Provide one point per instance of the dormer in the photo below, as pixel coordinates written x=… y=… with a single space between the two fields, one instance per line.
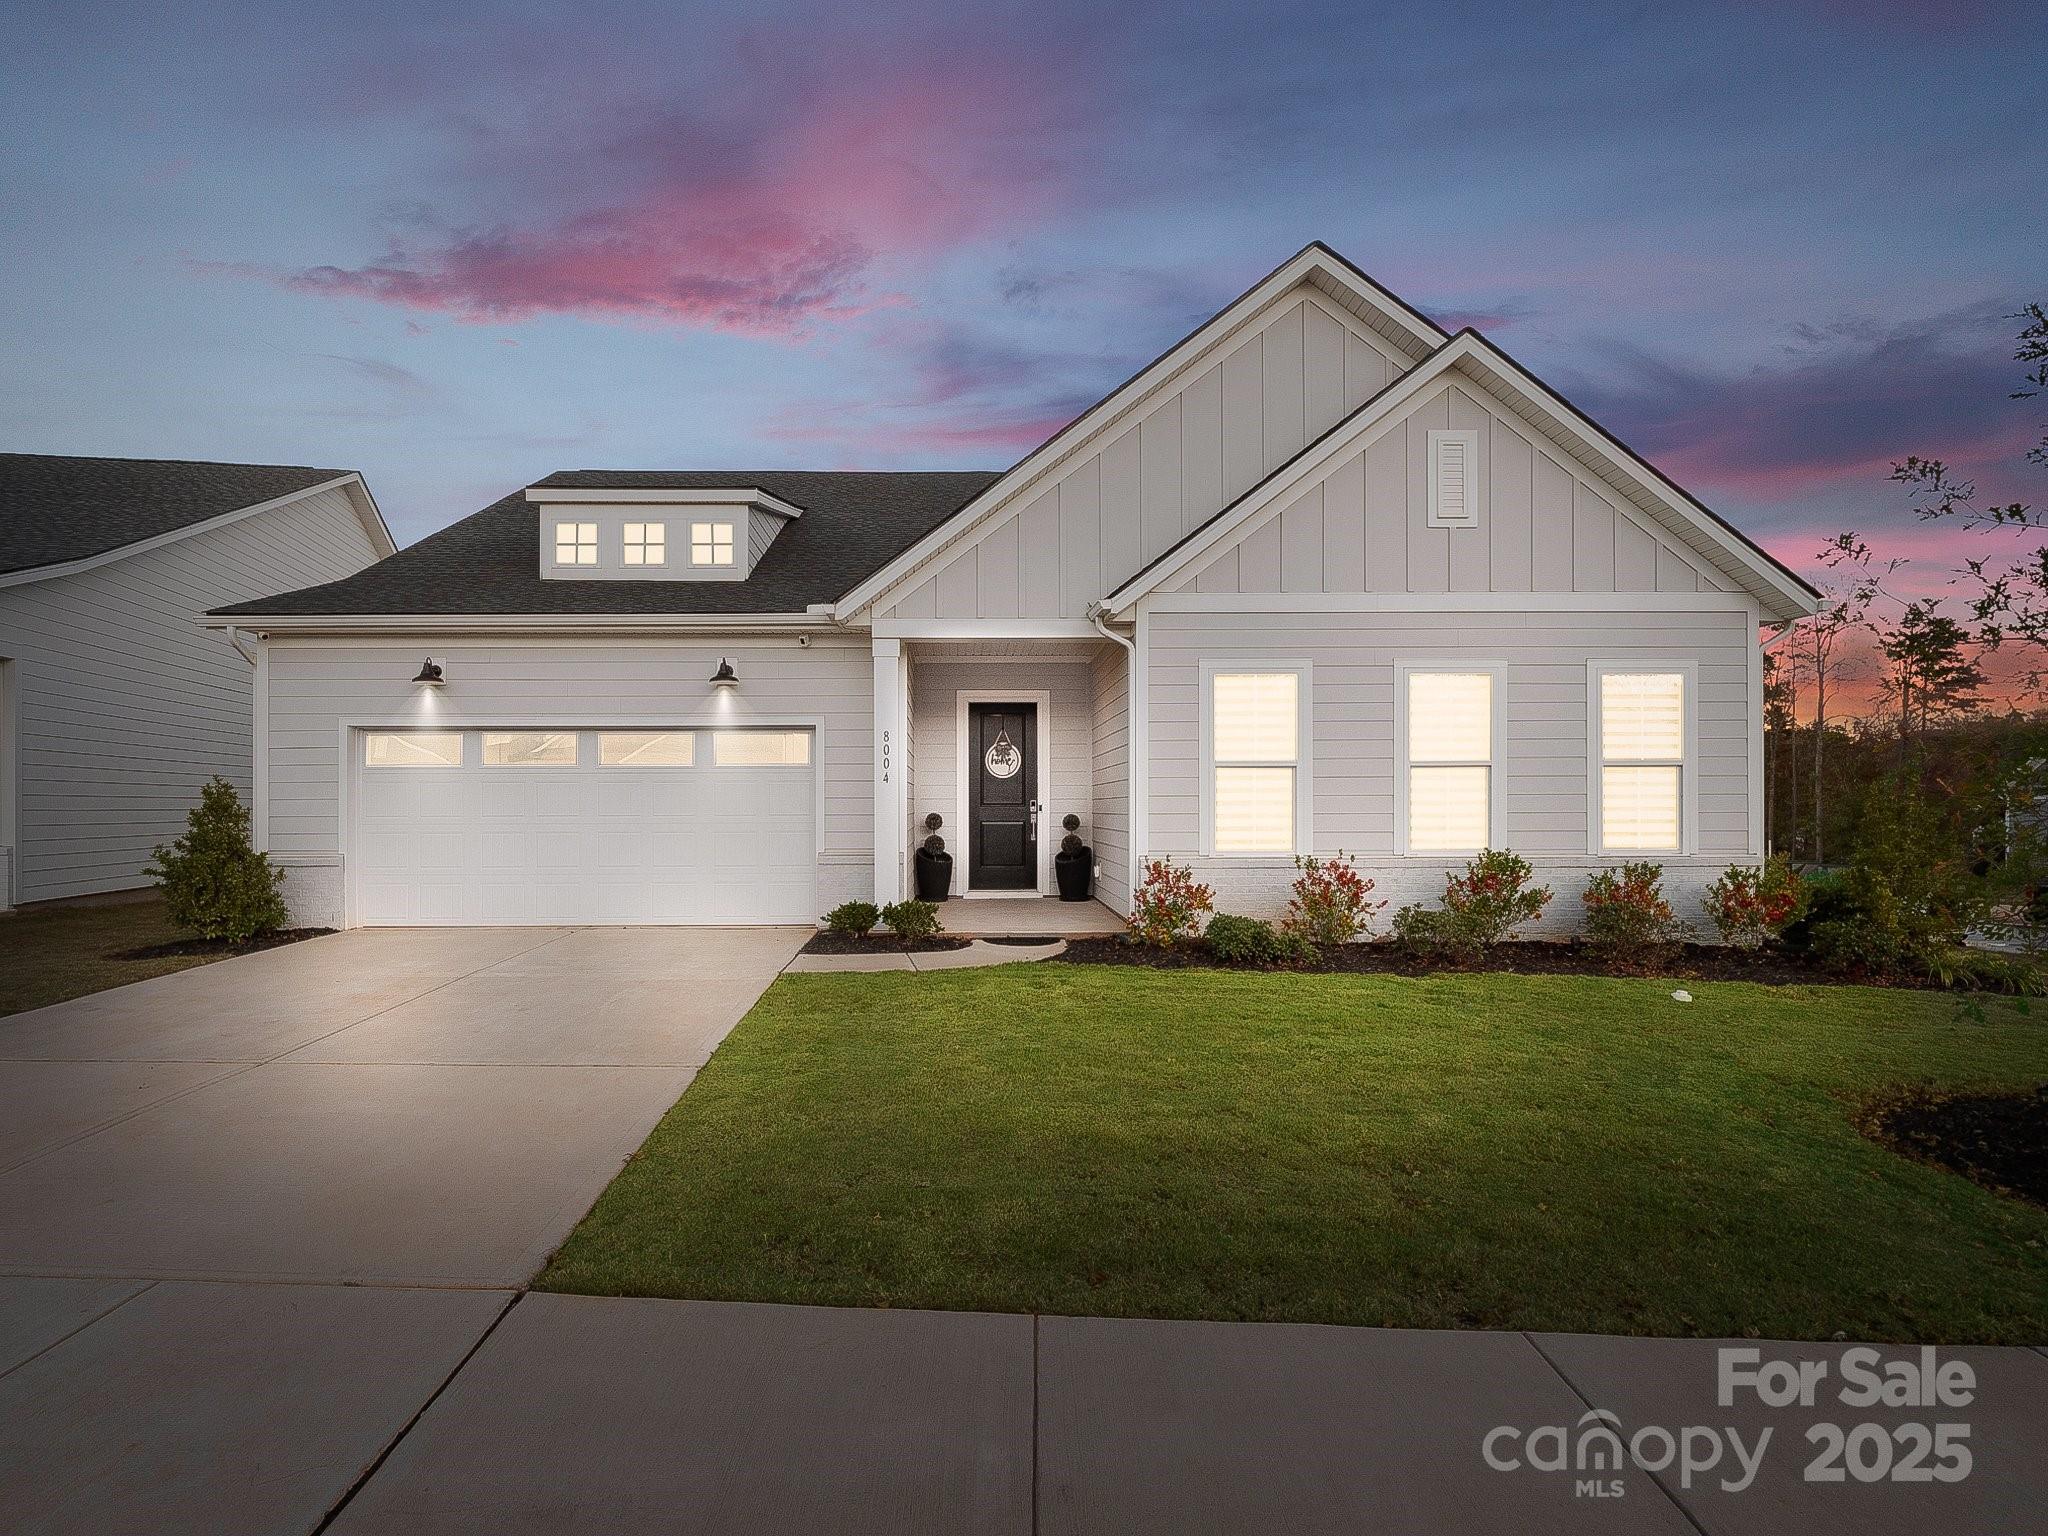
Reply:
x=716 y=534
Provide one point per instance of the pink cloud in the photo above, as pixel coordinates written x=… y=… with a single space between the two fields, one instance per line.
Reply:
x=799 y=215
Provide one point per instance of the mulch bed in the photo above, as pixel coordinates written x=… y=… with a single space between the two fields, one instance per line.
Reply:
x=1690 y=962
x=879 y=944
x=1999 y=1140
x=180 y=947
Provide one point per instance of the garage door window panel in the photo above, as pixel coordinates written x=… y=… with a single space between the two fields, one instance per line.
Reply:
x=529 y=749
x=412 y=749
x=761 y=749
x=646 y=749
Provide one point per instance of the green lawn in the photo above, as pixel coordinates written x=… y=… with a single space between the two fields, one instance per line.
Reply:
x=1462 y=1152
x=59 y=952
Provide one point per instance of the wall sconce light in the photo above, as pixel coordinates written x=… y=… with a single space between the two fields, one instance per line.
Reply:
x=430 y=673
x=725 y=678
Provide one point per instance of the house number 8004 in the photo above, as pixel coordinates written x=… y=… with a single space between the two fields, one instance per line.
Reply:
x=885 y=757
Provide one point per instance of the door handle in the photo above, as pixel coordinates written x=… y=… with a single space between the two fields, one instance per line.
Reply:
x=1034 y=818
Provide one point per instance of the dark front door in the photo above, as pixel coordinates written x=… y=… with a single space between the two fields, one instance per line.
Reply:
x=1002 y=796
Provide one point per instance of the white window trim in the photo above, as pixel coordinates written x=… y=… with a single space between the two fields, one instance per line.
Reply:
x=576 y=542
x=1688 y=768
x=653 y=540
x=1468 y=436
x=1304 y=751
x=732 y=542
x=1497 y=764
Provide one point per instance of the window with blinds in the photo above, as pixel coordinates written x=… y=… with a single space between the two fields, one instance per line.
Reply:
x=1255 y=740
x=1642 y=761
x=1450 y=761
x=1453 y=471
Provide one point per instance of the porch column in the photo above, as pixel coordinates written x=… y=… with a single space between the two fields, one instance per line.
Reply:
x=892 y=743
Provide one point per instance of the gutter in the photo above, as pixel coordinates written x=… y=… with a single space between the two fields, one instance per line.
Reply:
x=602 y=623
x=1131 y=738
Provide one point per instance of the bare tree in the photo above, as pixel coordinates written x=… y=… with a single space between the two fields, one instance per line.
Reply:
x=2011 y=602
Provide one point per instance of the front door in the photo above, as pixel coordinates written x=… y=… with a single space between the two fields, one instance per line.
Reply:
x=1002 y=797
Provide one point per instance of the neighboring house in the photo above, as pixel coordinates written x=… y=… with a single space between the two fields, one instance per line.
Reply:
x=1327 y=576
x=115 y=704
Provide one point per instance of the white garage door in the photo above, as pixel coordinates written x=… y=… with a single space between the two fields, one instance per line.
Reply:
x=610 y=826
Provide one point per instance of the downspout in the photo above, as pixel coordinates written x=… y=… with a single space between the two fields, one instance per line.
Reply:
x=235 y=639
x=1131 y=764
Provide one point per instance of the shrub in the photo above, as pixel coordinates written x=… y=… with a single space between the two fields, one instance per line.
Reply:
x=912 y=920
x=215 y=883
x=1436 y=933
x=1168 y=904
x=1493 y=897
x=1248 y=941
x=1482 y=907
x=1628 y=921
x=1332 y=901
x=1753 y=906
x=854 y=919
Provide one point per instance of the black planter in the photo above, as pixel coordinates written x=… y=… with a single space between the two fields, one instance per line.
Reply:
x=1075 y=873
x=934 y=875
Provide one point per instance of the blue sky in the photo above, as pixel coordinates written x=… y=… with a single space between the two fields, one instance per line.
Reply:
x=1772 y=245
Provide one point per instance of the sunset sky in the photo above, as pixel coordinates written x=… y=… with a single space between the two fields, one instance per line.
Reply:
x=1774 y=246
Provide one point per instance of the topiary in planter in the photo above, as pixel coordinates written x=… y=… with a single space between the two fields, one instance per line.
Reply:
x=934 y=866
x=1074 y=865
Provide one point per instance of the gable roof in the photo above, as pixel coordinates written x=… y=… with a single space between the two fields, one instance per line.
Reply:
x=488 y=564
x=57 y=510
x=1781 y=592
x=1406 y=327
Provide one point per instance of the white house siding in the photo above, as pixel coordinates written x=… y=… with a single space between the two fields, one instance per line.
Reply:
x=935 y=686
x=1544 y=757
x=1546 y=522
x=125 y=705
x=1110 y=831
x=1121 y=499
x=319 y=687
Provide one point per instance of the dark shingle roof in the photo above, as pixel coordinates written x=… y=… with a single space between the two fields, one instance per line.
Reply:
x=489 y=563
x=55 y=509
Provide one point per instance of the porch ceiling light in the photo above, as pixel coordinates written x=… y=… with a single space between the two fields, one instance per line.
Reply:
x=725 y=677
x=430 y=673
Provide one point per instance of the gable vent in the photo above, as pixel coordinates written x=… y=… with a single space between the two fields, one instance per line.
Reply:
x=1453 y=469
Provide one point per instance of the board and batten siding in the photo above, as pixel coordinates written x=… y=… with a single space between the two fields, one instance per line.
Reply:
x=124 y=705
x=319 y=687
x=1546 y=523
x=1544 y=758
x=1121 y=500
x=1109 y=833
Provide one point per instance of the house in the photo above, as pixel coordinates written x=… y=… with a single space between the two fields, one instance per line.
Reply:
x=115 y=706
x=1323 y=576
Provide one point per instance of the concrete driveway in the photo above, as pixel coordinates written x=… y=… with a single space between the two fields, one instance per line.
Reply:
x=404 y=1106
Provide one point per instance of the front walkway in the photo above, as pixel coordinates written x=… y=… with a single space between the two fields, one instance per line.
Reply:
x=1019 y=917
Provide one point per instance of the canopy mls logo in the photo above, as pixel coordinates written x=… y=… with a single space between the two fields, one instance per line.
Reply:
x=1595 y=1446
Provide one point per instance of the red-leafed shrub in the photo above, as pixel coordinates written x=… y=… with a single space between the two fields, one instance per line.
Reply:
x=1169 y=904
x=1628 y=921
x=1482 y=907
x=1332 y=900
x=1752 y=906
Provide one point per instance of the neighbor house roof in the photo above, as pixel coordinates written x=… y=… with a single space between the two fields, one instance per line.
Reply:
x=489 y=563
x=58 y=510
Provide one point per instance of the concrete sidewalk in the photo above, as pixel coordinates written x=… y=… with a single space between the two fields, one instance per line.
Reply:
x=266 y=1408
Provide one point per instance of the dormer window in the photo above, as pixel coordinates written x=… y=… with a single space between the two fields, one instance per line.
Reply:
x=623 y=532
x=711 y=544
x=646 y=544
x=575 y=543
